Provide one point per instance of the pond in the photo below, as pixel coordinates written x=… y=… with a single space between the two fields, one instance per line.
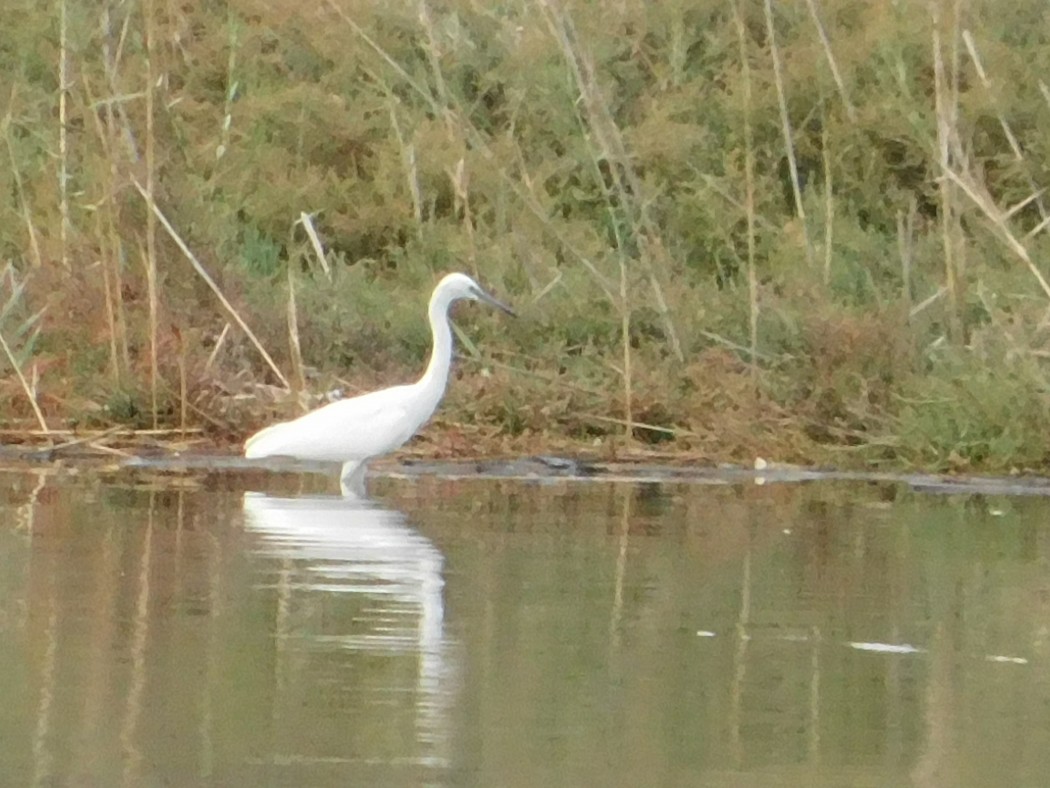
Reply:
x=235 y=628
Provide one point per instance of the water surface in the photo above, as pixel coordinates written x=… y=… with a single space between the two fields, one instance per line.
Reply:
x=223 y=629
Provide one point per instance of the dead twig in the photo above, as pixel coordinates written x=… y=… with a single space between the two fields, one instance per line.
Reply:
x=984 y=202
x=203 y=273
x=29 y=392
x=830 y=56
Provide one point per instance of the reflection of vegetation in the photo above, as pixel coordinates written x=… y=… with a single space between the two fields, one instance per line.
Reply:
x=573 y=637
x=827 y=568
x=593 y=168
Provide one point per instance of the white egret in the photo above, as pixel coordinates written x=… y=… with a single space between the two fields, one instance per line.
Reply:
x=353 y=431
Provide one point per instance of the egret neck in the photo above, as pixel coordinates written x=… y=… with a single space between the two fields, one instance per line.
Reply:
x=435 y=378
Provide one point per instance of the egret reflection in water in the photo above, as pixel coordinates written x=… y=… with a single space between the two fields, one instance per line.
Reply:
x=360 y=594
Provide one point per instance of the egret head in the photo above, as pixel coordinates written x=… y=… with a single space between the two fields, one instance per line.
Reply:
x=456 y=286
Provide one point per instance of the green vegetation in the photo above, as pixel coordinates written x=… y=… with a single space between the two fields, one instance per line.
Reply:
x=811 y=232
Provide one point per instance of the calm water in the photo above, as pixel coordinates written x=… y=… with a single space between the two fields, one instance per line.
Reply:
x=182 y=631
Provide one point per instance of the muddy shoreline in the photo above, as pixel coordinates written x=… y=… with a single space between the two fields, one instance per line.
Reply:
x=539 y=468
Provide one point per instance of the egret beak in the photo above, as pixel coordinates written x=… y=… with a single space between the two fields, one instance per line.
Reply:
x=483 y=296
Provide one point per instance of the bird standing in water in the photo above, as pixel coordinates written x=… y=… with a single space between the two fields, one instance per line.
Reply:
x=353 y=431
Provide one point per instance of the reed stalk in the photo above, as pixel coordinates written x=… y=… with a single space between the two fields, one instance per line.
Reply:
x=829 y=55
x=151 y=219
x=829 y=200
x=231 y=89
x=294 y=345
x=306 y=221
x=63 y=133
x=183 y=381
x=434 y=60
x=946 y=110
x=111 y=245
x=625 y=344
x=111 y=312
x=749 y=193
x=408 y=161
x=785 y=123
x=906 y=249
x=460 y=180
x=20 y=192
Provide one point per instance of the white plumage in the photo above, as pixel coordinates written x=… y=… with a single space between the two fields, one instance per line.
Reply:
x=353 y=431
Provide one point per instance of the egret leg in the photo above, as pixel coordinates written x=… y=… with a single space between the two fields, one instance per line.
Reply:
x=352 y=479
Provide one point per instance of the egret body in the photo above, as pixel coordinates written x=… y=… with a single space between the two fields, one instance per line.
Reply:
x=353 y=431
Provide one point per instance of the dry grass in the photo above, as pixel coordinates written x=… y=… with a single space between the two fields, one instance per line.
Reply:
x=651 y=188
